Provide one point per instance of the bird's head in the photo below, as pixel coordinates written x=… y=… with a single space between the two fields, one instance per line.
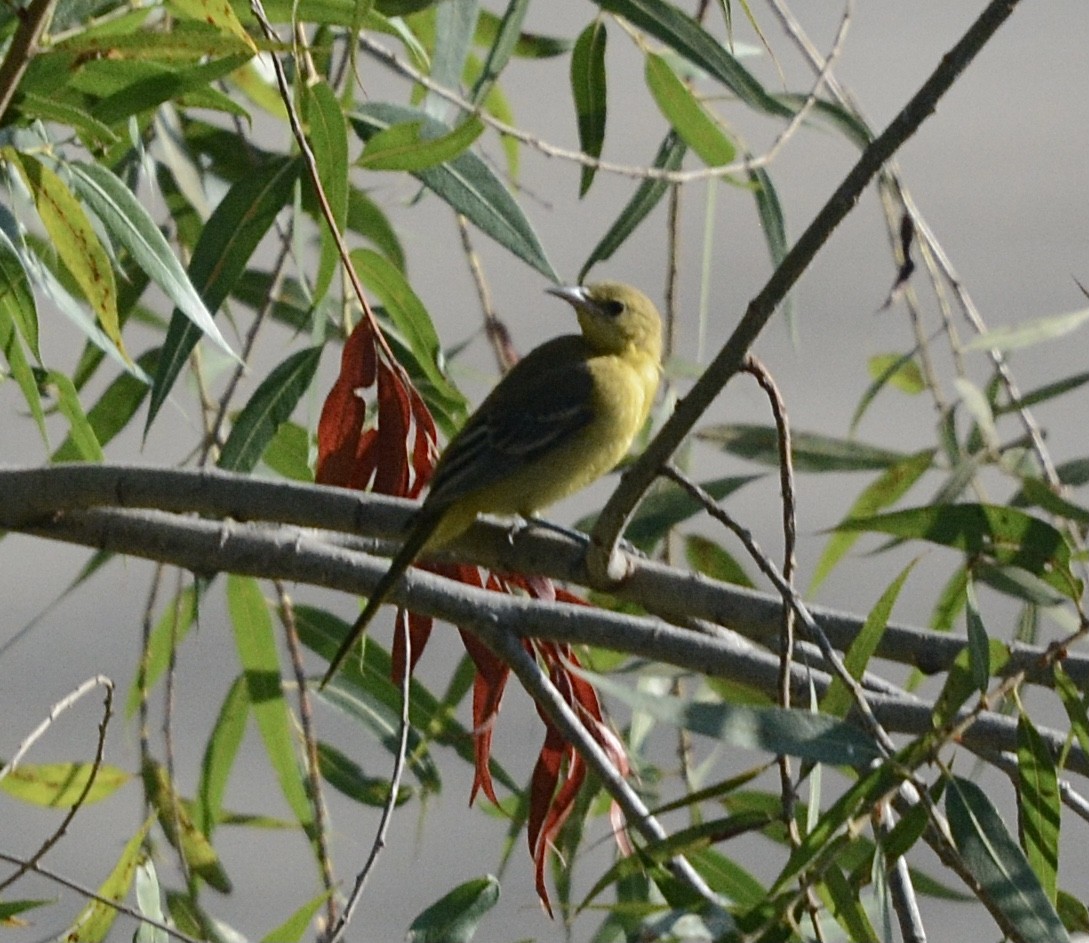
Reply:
x=615 y=317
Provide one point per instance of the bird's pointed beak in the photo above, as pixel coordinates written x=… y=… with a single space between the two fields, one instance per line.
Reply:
x=575 y=295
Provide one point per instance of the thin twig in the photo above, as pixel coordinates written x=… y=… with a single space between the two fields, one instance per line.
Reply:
x=310 y=744
x=90 y=894
x=92 y=774
x=496 y=330
x=338 y=931
x=639 y=476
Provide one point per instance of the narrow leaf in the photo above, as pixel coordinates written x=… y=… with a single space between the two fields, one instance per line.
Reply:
x=80 y=430
x=1032 y=332
x=1039 y=805
x=130 y=224
x=220 y=752
x=455 y=917
x=887 y=489
x=257 y=653
x=12 y=346
x=226 y=242
x=328 y=134
x=811 y=452
x=271 y=404
x=774 y=730
x=665 y=22
x=502 y=48
x=690 y=118
x=1007 y=882
x=468 y=185
x=979 y=653
x=407 y=146
x=76 y=242
x=588 y=85
x=93 y=923
x=837 y=699
x=59 y=785
x=645 y=198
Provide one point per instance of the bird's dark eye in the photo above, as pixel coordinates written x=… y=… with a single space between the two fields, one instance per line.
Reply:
x=613 y=308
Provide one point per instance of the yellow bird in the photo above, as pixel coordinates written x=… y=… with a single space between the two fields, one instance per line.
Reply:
x=561 y=417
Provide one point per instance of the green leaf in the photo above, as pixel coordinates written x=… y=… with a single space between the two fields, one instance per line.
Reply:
x=10 y=910
x=666 y=505
x=811 y=452
x=328 y=135
x=80 y=430
x=899 y=370
x=367 y=218
x=176 y=821
x=528 y=46
x=299 y=923
x=1074 y=703
x=76 y=242
x=257 y=653
x=960 y=683
x=131 y=225
x=1039 y=805
x=404 y=308
x=408 y=146
x=1044 y=393
x=347 y=777
x=93 y=923
x=1036 y=492
x=588 y=87
x=59 y=785
x=468 y=185
x=128 y=88
x=271 y=404
x=1016 y=336
x=10 y=343
x=455 y=916
x=219 y=15
x=502 y=48
x=228 y=239
x=115 y=407
x=837 y=699
x=979 y=644
x=288 y=452
x=690 y=118
x=1000 y=867
x=708 y=558
x=645 y=198
x=773 y=225
x=16 y=296
x=170 y=630
x=1002 y=534
x=773 y=730
x=887 y=489
x=684 y=34
x=220 y=752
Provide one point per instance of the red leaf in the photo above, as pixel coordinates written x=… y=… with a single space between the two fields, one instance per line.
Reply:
x=488 y=687
x=395 y=454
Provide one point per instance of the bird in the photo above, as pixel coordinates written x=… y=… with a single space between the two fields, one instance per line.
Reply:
x=561 y=417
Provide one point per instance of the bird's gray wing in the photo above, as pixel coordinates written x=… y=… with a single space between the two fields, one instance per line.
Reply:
x=546 y=398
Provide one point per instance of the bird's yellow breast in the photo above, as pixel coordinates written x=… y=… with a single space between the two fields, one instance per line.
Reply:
x=624 y=386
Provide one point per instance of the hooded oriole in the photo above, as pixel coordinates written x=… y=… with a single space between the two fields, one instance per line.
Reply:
x=561 y=417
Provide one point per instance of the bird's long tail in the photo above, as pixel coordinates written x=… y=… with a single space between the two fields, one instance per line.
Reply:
x=422 y=529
